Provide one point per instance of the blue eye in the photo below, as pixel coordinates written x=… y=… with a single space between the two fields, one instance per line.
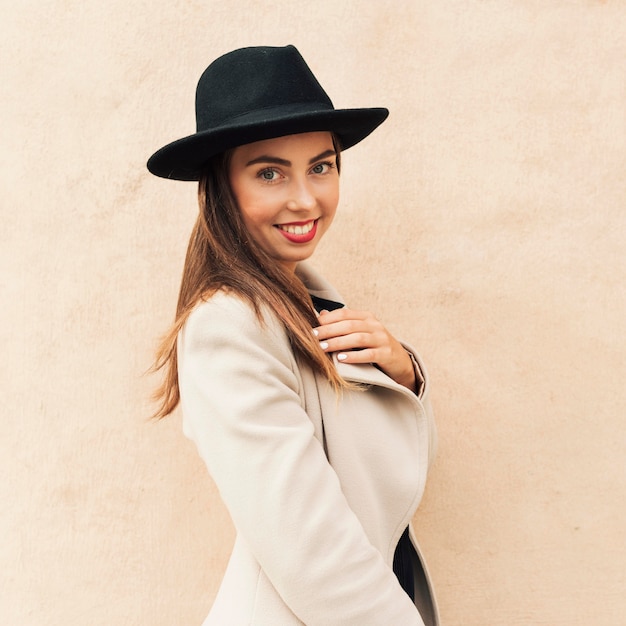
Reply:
x=322 y=168
x=268 y=174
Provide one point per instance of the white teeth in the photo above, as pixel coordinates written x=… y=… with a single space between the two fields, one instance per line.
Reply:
x=297 y=229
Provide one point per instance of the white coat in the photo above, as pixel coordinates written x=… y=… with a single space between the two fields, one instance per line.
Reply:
x=319 y=486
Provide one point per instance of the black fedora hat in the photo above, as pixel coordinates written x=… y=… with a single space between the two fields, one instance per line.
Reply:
x=253 y=94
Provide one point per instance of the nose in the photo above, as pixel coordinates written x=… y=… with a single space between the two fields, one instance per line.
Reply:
x=301 y=196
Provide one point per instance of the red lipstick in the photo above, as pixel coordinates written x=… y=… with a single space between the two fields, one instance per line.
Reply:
x=298 y=232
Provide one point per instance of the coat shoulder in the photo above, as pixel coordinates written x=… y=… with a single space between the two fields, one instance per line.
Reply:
x=226 y=317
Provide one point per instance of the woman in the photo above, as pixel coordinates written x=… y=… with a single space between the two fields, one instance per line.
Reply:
x=312 y=419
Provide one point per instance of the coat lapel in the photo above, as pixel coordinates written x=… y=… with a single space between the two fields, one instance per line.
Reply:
x=325 y=296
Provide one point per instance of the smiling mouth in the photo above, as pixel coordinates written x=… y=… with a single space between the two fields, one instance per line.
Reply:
x=298 y=233
x=297 y=229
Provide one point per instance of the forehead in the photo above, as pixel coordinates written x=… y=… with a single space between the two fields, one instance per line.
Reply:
x=306 y=145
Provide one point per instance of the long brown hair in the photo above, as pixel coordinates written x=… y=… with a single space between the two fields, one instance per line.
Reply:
x=222 y=255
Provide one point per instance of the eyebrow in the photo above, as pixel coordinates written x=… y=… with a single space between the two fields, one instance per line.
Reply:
x=266 y=158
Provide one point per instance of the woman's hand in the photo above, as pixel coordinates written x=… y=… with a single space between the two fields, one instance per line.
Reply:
x=358 y=337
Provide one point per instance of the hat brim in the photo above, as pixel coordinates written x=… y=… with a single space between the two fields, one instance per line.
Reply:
x=186 y=158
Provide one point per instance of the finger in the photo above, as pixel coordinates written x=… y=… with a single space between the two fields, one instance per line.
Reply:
x=328 y=317
x=348 y=323
x=353 y=341
x=344 y=327
x=367 y=355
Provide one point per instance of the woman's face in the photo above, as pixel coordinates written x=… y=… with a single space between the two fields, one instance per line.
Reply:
x=287 y=190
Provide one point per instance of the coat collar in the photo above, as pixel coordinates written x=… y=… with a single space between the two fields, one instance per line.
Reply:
x=317 y=285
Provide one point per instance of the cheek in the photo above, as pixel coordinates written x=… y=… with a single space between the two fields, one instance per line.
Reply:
x=256 y=211
x=331 y=199
x=246 y=192
x=246 y=200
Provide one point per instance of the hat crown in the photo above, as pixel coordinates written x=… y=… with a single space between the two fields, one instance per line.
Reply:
x=250 y=80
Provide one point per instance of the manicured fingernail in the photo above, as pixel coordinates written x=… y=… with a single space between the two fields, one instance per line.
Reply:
x=315 y=332
x=342 y=357
x=323 y=345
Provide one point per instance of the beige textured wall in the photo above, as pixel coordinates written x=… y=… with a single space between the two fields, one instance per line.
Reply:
x=484 y=222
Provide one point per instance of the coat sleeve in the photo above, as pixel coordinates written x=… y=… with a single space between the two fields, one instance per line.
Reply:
x=423 y=392
x=241 y=406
